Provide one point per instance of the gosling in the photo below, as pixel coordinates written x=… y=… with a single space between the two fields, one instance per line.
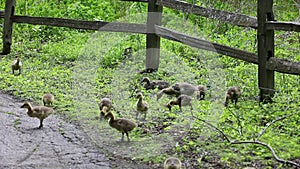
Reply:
x=182 y=100
x=16 y=65
x=48 y=99
x=169 y=91
x=123 y=125
x=172 y=163
x=233 y=94
x=201 y=92
x=141 y=106
x=40 y=112
x=187 y=88
x=160 y=84
x=105 y=105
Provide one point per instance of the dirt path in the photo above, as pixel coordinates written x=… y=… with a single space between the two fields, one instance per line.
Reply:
x=59 y=144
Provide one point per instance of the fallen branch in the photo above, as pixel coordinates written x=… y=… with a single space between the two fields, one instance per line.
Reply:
x=211 y=125
x=256 y=141
x=270 y=148
x=274 y=121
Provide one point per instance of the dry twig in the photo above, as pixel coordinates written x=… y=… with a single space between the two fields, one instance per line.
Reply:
x=270 y=148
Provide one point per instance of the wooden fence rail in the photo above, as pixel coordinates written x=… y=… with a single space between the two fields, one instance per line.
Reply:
x=78 y=24
x=264 y=23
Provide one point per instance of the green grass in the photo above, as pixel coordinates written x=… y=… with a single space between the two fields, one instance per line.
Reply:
x=80 y=67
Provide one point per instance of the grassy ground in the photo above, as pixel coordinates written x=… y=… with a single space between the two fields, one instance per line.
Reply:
x=80 y=67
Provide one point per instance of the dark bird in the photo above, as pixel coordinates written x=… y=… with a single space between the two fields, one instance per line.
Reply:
x=160 y=84
x=233 y=94
x=182 y=100
x=16 y=65
x=123 y=125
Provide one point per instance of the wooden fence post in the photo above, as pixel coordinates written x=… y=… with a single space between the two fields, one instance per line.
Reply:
x=152 y=40
x=265 y=50
x=8 y=25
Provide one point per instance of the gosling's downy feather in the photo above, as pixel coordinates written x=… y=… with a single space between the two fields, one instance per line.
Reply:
x=182 y=100
x=40 y=112
x=233 y=94
x=105 y=105
x=16 y=65
x=48 y=99
x=172 y=163
x=123 y=125
x=160 y=84
x=141 y=106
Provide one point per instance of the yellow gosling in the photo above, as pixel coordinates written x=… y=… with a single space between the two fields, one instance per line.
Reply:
x=123 y=125
x=233 y=94
x=172 y=163
x=141 y=106
x=40 y=112
x=16 y=65
x=48 y=99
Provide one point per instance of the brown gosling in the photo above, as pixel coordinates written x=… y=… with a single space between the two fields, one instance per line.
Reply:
x=48 y=99
x=169 y=91
x=40 y=112
x=233 y=94
x=16 y=65
x=182 y=100
x=186 y=88
x=123 y=125
x=201 y=92
x=172 y=163
x=105 y=105
x=141 y=106
x=160 y=84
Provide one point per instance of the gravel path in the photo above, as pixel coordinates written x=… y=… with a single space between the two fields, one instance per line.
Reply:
x=59 y=144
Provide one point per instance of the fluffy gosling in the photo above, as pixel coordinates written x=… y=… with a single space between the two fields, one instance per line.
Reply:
x=40 y=112
x=169 y=91
x=48 y=99
x=141 y=106
x=187 y=88
x=233 y=94
x=123 y=125
x=172 y=163
x=160 y=84
x=105 y=105
x=201 y=92
x=16 y=65
x=182 y=100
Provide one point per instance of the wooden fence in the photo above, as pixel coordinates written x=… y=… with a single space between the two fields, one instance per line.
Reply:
x=265 y=24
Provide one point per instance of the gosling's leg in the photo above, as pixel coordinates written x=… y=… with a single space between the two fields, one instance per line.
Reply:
x=41 y=123
x=191 y=109
x=122 y=139
x=137 y=115
x=145 y=116
x=127 y=136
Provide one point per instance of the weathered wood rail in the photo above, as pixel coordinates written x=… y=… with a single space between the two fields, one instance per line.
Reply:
x=264 y=23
